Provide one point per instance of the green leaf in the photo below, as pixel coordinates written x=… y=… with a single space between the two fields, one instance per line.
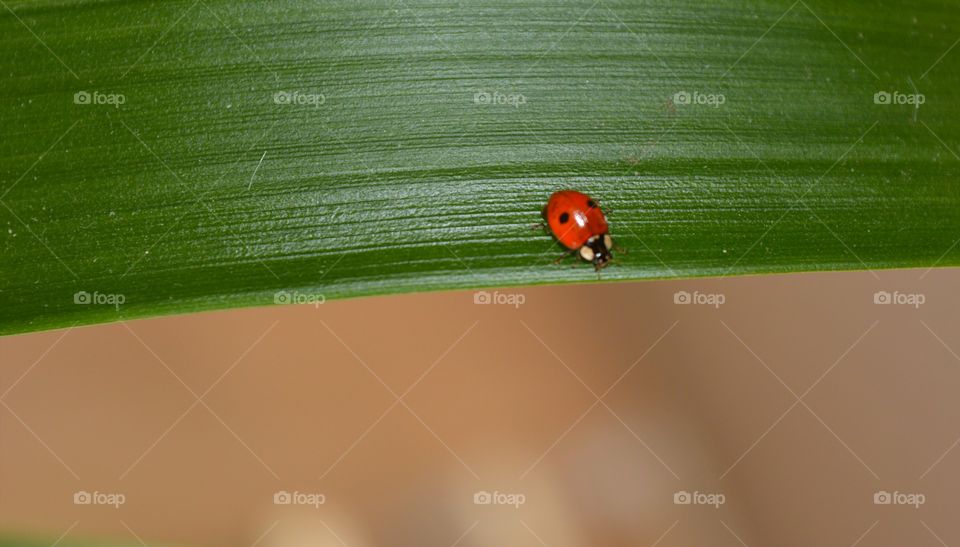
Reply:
x=424 y=138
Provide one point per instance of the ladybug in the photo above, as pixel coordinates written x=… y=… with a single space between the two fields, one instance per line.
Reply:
x=579 y=225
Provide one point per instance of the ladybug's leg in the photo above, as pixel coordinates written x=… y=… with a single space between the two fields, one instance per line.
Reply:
x=542 y=225
x=564 y=256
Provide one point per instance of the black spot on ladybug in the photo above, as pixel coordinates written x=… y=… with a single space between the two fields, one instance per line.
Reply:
x=591 y=204
x=564 y=217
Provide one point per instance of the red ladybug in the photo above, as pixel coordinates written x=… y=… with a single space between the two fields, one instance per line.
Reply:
x=578 y=223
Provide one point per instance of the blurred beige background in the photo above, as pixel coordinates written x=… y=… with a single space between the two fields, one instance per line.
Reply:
x=796 y=402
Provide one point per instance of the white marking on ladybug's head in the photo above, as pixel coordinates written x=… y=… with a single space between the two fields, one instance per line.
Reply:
x=607 y=241
x=586 y=253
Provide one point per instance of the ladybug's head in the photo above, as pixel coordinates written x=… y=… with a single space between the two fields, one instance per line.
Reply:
x=597 y=250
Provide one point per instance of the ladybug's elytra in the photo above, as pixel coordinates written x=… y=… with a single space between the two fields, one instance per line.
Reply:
x=579 y=225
